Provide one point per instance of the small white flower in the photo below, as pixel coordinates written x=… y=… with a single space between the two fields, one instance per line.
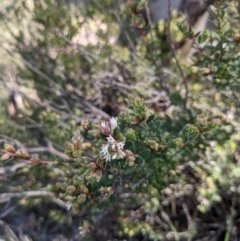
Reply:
x=113 y=123
x=103 y=124
x=114 y=156
x=108 y=157
x=108 y=126
x=105 y=128
x=105 y=153
x=105 y=149
x=120 y=145
x=121 y=154
x=112 y=149
x=111 y=140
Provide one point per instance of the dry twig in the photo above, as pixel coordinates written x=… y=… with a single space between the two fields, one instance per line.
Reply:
x=184 y=80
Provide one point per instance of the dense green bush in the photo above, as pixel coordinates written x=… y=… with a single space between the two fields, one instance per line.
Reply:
x=174 y=135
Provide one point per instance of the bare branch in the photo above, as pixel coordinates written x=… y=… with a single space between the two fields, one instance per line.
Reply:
x=4 y=214
x=48 y=149
x=40 y=193
x=88 y=56
x=14 y=168
x=184 y=80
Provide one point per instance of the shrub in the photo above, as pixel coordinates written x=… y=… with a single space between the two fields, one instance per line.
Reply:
x=174 y=134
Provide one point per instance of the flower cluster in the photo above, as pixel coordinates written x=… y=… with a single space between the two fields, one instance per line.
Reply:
x=107 y=127
x=113 y=149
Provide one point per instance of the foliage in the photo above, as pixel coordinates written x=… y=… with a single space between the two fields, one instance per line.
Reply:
x=174 y=135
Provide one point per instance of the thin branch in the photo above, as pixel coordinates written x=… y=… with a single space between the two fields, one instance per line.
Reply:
x=170 y=224
x=5 y=138
x=49 y=149
x=63 y=114
x=14 y=168
x=8 y=231
x=88 y=56
x=4 y=214
x=184 y=80
x=189 y=218
x=159 y=69
x=40 y=193
x=131 y=44
x=90 y=106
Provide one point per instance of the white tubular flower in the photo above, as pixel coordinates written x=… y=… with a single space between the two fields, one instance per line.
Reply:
x=103 y=124
x=105 y=153
x=111 y=140
x=114 y=156
x=113 y=123
x=121 y=153
x=112 y=150
x=107 y=127
x=120 y=145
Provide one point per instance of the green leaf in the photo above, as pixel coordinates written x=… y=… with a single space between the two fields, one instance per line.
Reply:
x=203 y=37
x=145 y=154
x=116 y=132
x=213 y=8
x=130 y=145
x=83 y=169
x=129 y=170
x=150 y=118
x=139 y=160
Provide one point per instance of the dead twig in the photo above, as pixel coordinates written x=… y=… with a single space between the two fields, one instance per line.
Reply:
x=14 y=168
x=39 y=193
x=49 y=149
x=5 y=213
